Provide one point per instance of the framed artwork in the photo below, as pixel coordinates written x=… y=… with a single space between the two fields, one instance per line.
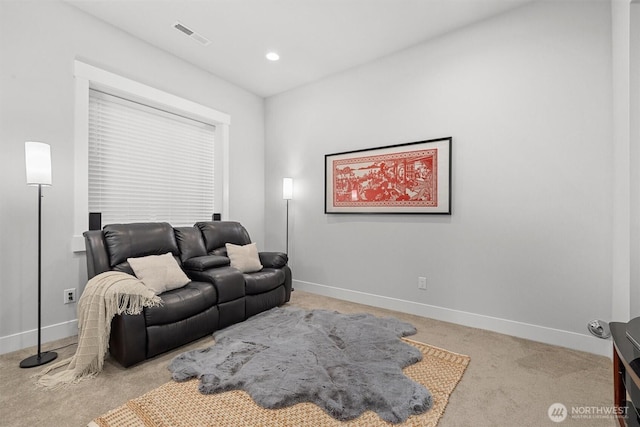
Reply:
x=412 y=178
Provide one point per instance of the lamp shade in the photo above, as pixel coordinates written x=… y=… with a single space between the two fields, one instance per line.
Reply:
x=38 y=161
x=287 y=188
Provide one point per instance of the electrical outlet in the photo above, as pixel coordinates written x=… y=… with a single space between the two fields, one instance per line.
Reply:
x=422 y=283
x=69 y=295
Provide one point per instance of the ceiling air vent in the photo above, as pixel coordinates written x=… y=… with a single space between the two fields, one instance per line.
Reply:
x=189 y=32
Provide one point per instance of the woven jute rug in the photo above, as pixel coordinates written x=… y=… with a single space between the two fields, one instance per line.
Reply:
x=177 y=404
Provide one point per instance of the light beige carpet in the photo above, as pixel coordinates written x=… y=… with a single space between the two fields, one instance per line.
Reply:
x=181 y=404
x=510 y=381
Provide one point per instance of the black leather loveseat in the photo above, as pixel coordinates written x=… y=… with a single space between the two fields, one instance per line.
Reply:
x=217 y=296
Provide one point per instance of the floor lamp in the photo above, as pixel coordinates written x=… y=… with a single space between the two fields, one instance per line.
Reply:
x=287 y=194
x=38 y=162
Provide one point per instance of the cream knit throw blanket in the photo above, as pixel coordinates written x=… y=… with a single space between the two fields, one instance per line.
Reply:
x=105 y=295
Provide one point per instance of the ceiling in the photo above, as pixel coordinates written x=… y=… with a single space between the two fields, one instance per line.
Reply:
x=314 y=38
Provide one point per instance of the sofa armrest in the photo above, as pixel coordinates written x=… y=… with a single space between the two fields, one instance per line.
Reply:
x=128 y=340
x=273 y=259
x=288 y=283
x=202 y=263
x=229 y=282
x=97 y=256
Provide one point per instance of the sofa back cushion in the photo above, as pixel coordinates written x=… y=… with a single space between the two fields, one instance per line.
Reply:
x=190 y=242
x=137 y=240
x=218 y=233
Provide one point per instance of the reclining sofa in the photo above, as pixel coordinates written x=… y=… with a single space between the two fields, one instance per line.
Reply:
x=217 y=296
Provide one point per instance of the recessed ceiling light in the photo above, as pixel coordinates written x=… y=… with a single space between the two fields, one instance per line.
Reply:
x=272 y=56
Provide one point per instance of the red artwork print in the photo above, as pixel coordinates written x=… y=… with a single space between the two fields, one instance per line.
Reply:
x=404 y=179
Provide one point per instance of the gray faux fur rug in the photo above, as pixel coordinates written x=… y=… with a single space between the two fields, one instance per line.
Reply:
x=344 y=363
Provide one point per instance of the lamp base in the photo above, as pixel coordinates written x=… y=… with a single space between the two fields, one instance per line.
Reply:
x=38 y=359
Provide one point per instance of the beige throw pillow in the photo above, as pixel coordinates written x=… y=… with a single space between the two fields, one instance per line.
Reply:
x=159 y=273
x=244 y=258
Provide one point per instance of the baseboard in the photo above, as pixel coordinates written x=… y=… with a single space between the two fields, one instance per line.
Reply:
x=26 y=339
x=538 y=333
x=572 y=340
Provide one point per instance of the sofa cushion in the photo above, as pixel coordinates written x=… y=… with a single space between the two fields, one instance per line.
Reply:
x=263 y=281
x=159 y=273
x=245 y=258
x=202 y=263
x=190 y=242
x=182 y=303
x=137 y=240
x=217 y=233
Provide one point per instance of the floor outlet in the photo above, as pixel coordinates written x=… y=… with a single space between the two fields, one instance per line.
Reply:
x=422 y=283
x=69 y=295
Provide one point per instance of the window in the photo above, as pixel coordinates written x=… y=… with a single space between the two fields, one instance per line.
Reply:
x=146 y=164
x=87 y=78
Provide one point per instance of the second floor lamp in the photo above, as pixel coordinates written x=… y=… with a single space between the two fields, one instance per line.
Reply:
x=287 y=194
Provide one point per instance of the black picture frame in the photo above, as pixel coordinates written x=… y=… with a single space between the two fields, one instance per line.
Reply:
x=409 y=178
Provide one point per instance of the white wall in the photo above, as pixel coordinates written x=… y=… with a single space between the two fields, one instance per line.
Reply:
x=38 y=44
x=526 y=97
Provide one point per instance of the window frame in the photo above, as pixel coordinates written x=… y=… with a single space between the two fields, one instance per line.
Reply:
x=91 y=77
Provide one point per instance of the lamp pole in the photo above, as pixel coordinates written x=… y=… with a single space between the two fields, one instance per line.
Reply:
x=39 y=267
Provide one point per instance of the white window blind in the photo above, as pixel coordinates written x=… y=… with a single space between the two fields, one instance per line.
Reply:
x=148 y=165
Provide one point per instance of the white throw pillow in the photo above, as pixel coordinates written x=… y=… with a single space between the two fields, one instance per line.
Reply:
x=244 y=258
x=159 y=273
